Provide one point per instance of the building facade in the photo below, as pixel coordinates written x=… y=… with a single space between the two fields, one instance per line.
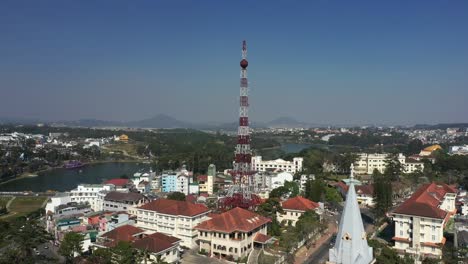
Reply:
x=294 y=208
x=123 y=202
x=232 y=233
x=174 y=218
x=88 y=193
x=367 y=163
x=420 y=220
x=277 y=165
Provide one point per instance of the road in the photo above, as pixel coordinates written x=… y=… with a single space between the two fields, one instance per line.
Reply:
x=321 y=254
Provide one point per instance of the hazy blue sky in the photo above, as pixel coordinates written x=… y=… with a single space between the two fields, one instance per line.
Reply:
x=318 y=61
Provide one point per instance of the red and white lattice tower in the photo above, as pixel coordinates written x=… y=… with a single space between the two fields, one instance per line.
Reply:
x=241 y=193
x=242 y=164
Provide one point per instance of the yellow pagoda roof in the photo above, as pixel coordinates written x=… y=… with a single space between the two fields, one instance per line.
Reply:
x=432 y=148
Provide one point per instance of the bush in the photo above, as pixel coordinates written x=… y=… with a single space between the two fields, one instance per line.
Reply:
x=203 y=252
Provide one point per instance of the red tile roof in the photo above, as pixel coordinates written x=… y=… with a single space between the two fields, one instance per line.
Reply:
x=202 y=178
x=426 y=200
x=117 y=182
x=191 y=198
x=299 y=203
x=236 y=219
x=261 y=238
x=360 y=189
x=365 y=189
x=156 y=242
x=121 y=233
x=172 y=207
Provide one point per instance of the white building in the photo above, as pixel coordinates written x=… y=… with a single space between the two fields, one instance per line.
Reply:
x=271 y=180
x=277 y=165
x=174 y=218
x=279 y=179
x=57 y=200
x=459 y=150
x=303 y=180
x=123 y=202
x=367 y=163
x=294 y=208
x=420 y=220
x=88 y=193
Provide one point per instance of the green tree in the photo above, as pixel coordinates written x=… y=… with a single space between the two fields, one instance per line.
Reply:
x=270 y=208
x=27 y=234
x=124 y=253
x=71 y=245
x=393 y=167
x=315 y=190
x=382 y=193
x=332 y=195
x=101 y=256
x=279 y=192
x=178 y=196
x=414 y=147
x=292 y=187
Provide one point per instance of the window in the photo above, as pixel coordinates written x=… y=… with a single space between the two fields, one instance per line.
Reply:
x=433 y=238
x=401 y=233
x=433 y=249
x=401 y=224
x=433 y=228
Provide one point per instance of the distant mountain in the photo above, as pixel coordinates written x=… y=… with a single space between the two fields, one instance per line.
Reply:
x=288 y=122
x=441 y=126
x=91 y=123
x=18 y=121
x=160 y=121
x=166 y=121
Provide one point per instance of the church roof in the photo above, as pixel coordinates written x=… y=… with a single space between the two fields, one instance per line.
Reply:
x=351 y=242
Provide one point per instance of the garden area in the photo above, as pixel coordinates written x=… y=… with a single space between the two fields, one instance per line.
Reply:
x=22 y=206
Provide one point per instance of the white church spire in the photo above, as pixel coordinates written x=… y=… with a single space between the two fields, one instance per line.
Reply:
x=351 y=241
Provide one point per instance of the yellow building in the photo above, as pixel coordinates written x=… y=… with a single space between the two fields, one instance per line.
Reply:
x=428 y=151
x=123 y=138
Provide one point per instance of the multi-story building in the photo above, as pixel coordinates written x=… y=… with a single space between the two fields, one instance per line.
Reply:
x=233 y=233
x=206 y=182
x=294 y=208
x=367 y=163
x=277 y=165
x=271 y=180
x=123 y=201
x=176 y=181
x=88 y=193
x=57 y=200
x=174 y=218
x=420 y=220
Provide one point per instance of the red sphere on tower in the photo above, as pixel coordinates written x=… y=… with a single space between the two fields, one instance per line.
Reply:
x=244 y=63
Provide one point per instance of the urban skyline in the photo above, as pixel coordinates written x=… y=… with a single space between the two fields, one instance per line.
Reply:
x=323 y=62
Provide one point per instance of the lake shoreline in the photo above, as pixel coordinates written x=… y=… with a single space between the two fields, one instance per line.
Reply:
x=86 y=164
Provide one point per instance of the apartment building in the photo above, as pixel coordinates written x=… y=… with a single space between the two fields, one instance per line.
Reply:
x=295 y=207
x=88 y=193
x=233 y=234
x=176 y=181
x=123 y=202
x=420 y=220
x=367 y=163
x=277 y=165
x=174 y=218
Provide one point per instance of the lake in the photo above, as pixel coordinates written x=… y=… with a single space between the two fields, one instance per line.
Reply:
x=64 y=180
x=294 y=147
